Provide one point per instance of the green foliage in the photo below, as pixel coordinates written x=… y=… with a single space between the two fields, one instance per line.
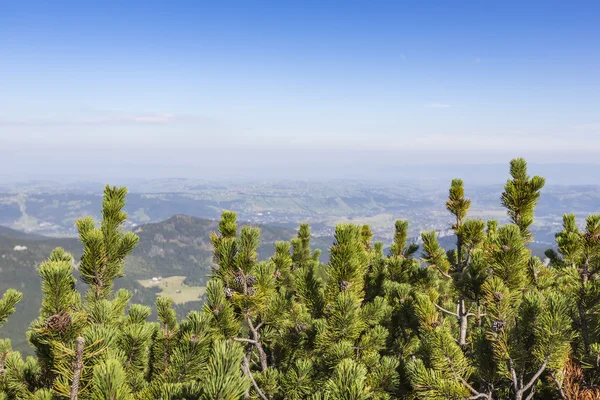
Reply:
x=520 y=196
x=456 y=203
x=8 y=303
x=58 y=284
x=484 y=320
x=223 y=376
x=110 y=382
x=105 y=248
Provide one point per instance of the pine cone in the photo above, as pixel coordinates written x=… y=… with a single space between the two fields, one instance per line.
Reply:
x=505 y=248
x=251 y=291
x=229 y=292
x=277 y=274
x=498 y=296
x=344 y=285
x=238 y=280
x=497 y=326
x=435 y=324
x=251 y=280
x=58 y=323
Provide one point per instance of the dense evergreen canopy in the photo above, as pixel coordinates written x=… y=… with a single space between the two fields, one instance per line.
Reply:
x=486 y=320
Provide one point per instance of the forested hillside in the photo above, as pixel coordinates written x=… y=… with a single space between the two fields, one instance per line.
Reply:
x=486 y=319
x=178 y=246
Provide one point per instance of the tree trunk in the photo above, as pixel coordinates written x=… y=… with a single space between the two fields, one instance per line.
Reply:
x=582 y=311
x=77 y=367
x=584 y=328
x=262 y=356
x=463 y=321
x=248 y=373
x=519 y=395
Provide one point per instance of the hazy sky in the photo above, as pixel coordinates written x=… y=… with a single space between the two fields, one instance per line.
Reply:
x=223 y=85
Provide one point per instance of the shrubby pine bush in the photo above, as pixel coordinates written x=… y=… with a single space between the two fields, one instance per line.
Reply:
x=485 y=320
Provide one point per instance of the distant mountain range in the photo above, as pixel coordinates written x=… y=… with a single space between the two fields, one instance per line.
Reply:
x=51 y=209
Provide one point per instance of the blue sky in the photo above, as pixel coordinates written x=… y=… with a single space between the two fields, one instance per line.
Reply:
x=183 y=84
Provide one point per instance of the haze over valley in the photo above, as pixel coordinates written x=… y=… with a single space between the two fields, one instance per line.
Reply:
x=175 y=217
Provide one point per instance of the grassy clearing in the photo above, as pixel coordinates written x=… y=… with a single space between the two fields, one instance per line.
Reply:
x=174 y=288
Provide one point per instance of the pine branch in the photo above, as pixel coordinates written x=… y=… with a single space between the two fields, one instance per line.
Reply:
x=257 y=343
x=248 y=373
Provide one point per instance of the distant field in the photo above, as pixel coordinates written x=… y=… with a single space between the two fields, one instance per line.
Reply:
x=174 y=288
x=379 y=221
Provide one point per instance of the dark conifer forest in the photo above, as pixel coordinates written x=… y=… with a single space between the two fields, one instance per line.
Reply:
x=485 y=320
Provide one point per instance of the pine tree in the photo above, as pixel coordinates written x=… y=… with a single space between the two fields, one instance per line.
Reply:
x=105 y=247
x=521 y=328
x=485 y=320
x=248 y=287
x=8 y=303
x=11 y=365
x=521 y=194
x=576 y=268
x=458 y=264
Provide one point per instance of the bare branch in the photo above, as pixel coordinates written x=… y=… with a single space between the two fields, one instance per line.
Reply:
x=470 y=308
x=559 y=385
x=513 y=373
x=446 y=311
x=257 y=343
x=444 y=274
x=245 y=340
x=530 y=395
x=464 y=382
x=535 y=377
x=246 y=369
x=479 y=396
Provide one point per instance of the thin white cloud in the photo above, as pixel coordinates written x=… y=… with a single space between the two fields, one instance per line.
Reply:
x=438 y=105
x=147 y=118
x=477 y=60
x=112 y=119
x=503 y=141
x=588 y=127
